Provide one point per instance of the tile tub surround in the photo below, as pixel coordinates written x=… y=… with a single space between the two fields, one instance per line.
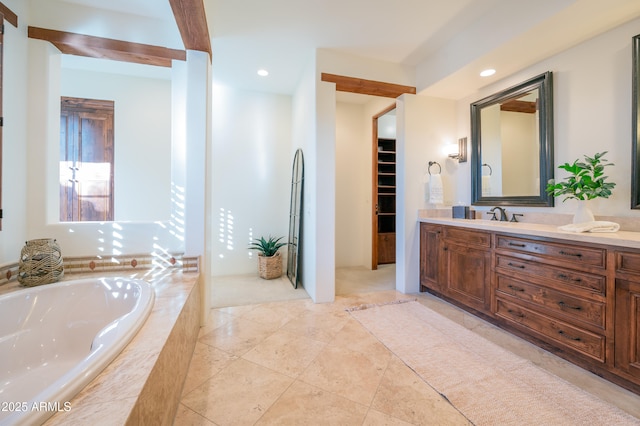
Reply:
x=143 y=384
x=152 y=263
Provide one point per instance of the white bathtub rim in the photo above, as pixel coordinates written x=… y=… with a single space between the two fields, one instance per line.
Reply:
x=73 y=381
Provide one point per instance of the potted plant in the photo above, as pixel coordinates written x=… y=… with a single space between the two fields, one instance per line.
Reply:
x=269 y=259
x=585 y=182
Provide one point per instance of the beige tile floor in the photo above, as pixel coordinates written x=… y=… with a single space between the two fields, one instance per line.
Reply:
x=293 y=362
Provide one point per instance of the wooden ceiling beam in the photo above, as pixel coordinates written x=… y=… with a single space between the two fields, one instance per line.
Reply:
x=367 y=87
x=9 y=16
x=191 y=19
x=106 y=48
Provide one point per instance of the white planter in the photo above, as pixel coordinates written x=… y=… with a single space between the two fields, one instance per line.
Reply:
x=583 y=213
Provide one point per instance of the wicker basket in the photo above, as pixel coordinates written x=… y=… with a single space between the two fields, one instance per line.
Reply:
x=40 y=262
x=270 y=267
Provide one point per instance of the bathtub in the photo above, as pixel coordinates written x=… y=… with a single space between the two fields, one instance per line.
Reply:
x=54 y=339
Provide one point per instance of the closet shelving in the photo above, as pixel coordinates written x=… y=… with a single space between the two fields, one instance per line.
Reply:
x=386 y=200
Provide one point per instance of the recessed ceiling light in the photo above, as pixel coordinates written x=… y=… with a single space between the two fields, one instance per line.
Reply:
x=263 y=72
x=487 y=73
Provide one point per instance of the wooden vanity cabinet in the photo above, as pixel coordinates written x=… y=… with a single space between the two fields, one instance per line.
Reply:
x=627 y=315
x=456 y=263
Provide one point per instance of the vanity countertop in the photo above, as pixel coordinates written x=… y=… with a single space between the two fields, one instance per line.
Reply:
x=621 y=238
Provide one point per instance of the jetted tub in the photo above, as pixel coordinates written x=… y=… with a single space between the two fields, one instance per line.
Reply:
x=55 y=338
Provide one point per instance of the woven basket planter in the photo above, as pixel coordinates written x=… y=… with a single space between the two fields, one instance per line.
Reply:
x=270 y=267
x=40 y=263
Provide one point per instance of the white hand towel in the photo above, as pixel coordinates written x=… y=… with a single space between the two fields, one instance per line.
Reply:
x=486 y=185
x=436 y=190
x=595 y=226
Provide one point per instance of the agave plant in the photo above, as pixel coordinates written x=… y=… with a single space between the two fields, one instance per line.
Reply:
x=586 y=182
x=268 y=247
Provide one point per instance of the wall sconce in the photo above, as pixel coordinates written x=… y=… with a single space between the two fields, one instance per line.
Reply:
x=461 y=153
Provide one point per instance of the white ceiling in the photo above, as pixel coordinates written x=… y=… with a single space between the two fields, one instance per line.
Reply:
x=446 y=41
x=160 y=9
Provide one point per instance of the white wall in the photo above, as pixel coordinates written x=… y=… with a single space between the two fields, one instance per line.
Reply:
x=142 y=138
x=424 y=127
x=592 y=113
x=251 y=175
x=325 y=191
x=303 y=136
x=75 y=239
x=353 y=185
x=14 y=136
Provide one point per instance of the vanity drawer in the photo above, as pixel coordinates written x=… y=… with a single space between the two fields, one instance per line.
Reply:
x=572 y=255
x=572 y=308
x=557 y=332
x=511 y=265
x=467 y=236
x=628 y=262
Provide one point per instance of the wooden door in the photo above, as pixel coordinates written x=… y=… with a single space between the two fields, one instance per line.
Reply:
x=86 y=160
x=383 y=199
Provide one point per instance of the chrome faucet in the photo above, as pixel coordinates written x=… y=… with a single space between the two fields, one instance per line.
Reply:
x=503 y=214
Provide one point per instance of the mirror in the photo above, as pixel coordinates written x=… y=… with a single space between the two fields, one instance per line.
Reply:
x=635 y=121
x=512 y=145
x=295 y=220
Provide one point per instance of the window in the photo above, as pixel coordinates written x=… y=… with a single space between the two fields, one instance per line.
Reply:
x=86 y=160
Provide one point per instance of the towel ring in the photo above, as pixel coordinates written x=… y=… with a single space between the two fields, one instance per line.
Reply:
x=490 y=169
x=431 y=163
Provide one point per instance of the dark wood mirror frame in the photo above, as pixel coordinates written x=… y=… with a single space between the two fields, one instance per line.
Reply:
x=544 y=83
x=635 y=124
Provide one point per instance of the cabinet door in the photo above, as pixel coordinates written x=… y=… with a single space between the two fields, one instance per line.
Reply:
x=386 y=248
x=627 y=328
x=467 y=274
x=429 y=256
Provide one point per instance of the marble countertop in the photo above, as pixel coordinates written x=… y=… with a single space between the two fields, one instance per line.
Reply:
x=619 y=238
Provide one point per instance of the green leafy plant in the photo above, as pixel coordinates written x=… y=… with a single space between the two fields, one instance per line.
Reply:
x=586 y=181
x=268 y=247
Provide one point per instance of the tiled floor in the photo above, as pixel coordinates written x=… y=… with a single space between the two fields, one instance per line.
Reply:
x=299 y=363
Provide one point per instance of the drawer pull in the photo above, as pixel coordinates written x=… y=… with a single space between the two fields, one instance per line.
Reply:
x=515 y=313
x=515 y=266
x=563 y=334
x=564 y=305
x=514 y=288
x=564 y=253
x=567 y=278
x=517 y=245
